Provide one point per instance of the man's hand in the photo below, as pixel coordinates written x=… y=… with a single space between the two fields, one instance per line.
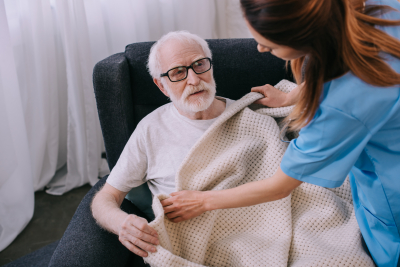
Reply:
x=273 y=97
x=184 y=205
x=133 y=231
x=138 y=236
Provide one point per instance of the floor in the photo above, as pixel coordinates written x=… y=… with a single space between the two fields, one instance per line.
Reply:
x=50 y=219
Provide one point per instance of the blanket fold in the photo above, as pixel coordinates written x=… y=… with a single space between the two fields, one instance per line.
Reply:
x=313 y=226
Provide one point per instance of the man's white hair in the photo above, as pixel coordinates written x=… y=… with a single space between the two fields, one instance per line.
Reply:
x=154 y=64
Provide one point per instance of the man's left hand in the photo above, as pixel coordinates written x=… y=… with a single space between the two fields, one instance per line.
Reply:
x=184 y=205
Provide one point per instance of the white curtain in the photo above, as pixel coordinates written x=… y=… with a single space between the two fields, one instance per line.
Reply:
x=50 y=134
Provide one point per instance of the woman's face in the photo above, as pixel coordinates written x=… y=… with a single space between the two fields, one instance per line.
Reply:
x=281 y=51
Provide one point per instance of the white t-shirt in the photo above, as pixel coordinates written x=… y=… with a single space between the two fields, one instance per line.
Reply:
x=156 y=149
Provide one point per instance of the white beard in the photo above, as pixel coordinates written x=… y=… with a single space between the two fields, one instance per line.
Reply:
x=189 y=103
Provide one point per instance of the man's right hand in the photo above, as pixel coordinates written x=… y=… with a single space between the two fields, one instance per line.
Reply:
x=138 y=236
x=133 y=231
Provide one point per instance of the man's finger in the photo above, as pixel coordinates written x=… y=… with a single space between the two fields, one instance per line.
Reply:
x=142 y=225
x=141 y=244
x=144 y=236
x=134 y=249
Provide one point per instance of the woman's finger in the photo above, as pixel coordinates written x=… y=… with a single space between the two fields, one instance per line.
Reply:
x=258 y=90
x=177 y=219
x=262 y=101
x=262 y=89
x=169 y=209
x=167 y=202
x=176 y=193
x=173 y=215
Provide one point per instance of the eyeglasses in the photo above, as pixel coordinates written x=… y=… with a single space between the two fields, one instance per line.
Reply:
x=180 y=73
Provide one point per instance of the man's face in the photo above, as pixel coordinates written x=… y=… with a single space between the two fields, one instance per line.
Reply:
x=197 y=91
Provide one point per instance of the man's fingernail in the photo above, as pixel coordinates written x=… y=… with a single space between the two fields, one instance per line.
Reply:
x=154 y=250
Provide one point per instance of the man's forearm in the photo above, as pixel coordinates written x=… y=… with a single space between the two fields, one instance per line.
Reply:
x=106 y=210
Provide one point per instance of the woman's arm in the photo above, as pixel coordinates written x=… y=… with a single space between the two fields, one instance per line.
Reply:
x=185 y=205
x=275 y=98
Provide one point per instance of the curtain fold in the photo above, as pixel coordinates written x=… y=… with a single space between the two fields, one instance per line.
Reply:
x=16 y=179
x=51 y=137
x=84 y=139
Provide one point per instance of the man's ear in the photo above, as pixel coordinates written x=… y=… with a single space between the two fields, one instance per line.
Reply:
x=161 y=86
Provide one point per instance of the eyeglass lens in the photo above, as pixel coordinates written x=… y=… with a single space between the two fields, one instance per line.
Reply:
x=198 y=67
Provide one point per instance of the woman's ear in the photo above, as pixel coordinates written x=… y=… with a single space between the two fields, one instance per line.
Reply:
x=161 y=86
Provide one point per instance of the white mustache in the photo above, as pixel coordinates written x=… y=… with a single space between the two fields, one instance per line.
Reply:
x=190 y=89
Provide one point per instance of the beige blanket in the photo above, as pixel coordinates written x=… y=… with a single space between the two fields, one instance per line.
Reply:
x=314 y=226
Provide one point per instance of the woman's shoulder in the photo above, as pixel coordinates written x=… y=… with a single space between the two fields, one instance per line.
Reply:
x=365 y=102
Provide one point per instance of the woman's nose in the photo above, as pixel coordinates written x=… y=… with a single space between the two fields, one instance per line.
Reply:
x=262 y=49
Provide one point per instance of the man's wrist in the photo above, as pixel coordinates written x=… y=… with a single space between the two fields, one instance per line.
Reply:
x=117 y=221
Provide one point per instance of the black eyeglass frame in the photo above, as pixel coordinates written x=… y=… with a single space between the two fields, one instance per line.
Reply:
x=187 y=69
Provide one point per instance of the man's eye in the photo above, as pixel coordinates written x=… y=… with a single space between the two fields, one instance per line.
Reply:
x=176 y=72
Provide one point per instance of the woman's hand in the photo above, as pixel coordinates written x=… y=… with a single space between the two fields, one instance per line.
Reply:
x=184 y=205
x=273 y=97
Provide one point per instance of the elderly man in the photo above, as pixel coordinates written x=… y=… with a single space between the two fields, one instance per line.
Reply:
x=181 y=67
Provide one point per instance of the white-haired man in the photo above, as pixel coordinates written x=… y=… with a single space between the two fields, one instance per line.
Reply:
x=180 y=64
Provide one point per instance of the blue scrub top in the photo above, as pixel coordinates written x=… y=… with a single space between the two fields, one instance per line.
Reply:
x=356 y=130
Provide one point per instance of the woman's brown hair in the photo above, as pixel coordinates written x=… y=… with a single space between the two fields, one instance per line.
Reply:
x=337 y=36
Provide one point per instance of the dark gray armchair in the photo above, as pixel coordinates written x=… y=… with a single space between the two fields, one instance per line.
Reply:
x=125 y=93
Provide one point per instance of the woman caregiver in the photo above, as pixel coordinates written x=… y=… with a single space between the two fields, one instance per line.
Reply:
x=348 y=110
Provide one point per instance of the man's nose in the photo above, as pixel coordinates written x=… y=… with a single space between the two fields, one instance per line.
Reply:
x=192 y=77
